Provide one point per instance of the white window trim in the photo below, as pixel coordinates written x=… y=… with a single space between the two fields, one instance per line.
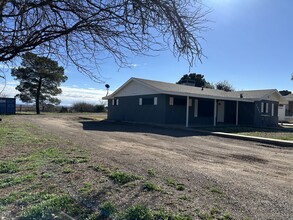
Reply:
x=171 y=101
x=155 y=100
x=190 y=102
x=262 y=107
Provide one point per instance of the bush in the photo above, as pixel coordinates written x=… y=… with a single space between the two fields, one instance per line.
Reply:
x=87 y=107
x=83 y=107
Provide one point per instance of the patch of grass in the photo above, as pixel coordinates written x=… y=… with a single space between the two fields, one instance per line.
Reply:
x=152 y=172
x=107 y=210
x=216 y=190
x=87 y=187
x=213 y=214
x=138 y=212
x=173 y=183
x=165 y=215
x=151 y=187
x=15 y=180
x=9 y=167
x=101 y=168
x=46 y=175
x=122 y=177
x=62 y=161
x=53 y=204
x=67 y=170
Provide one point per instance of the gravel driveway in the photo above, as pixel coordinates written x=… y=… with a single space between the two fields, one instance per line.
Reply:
x=247 y=179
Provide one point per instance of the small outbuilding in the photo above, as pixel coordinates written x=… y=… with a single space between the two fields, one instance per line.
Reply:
x=149 y=101
x=7 y=106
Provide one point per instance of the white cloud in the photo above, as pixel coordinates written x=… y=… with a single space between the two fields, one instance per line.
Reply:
x=69 y=96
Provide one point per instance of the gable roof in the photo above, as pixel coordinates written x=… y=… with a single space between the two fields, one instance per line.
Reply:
x=182 y=90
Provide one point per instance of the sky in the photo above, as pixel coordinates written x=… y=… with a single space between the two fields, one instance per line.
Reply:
x=249 y=43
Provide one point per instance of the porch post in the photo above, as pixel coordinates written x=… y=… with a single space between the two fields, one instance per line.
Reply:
x=187 y=111
x=215 y=112
x=237 y=107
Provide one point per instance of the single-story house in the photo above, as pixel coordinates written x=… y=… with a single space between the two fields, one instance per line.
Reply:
x=286 y=110
x=149 y=101
x=7 y=106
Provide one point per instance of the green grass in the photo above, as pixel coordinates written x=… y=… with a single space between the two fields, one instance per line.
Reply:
x=214 y=214
x=122 y=177
x=16 y=180
x=174 y=184
x=52 y=206
x=274 y=133
x=216 y=190
x=8 y=167
x=148 y=186
x=152 y=172
x=87 y=187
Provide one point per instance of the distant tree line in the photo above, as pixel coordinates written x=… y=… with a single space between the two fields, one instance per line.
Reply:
x=198 y=80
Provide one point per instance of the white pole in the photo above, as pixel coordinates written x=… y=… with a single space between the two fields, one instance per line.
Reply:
x=187 y=111
x=215 y=112
x=237 y=107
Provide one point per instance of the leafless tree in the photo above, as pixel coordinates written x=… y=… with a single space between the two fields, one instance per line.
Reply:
x=80 y=30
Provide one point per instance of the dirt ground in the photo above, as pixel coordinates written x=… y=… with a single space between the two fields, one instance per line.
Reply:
x=247 y=179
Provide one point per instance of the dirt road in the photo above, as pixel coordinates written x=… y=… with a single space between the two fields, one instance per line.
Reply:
x=247 y=179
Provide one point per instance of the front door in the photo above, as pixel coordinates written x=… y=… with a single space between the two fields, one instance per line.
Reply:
x=221 y=111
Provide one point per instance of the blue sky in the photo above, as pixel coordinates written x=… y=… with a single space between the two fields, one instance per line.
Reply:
x=249 y=43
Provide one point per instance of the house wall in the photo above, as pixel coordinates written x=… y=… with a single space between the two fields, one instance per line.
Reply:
x=246 y=111
x=128 y=109
x=176 y=114
x=265 y=118
x=7 y=106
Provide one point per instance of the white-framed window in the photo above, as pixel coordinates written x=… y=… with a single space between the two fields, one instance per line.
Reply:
x=190 y=102
x=273 y=109
x=115 y=101
x=262 y=107
x=155 y=100
x=140 y=101
x=171 y=101
x=267 y=107
x=195 y=107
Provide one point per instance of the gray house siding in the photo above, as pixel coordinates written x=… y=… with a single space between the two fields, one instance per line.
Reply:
x=131 y=108
x=246 y=111
x=128 y=109
x=7 y=106
x=265 y=118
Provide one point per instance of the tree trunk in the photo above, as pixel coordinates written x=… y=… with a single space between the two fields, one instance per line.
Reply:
x=38 y=96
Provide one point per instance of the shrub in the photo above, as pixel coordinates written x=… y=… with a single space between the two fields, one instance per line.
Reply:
x=138 y=212
x=122 y=178
x=83 y=107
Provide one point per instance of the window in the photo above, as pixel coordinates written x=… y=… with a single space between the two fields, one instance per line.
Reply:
x=171 y=101
x=267 y=107
x=155 y=100
x=262 y=107
x=148 y=101
x=273 y=109
x=195 y=107
x=115 y=101
x=190 y=102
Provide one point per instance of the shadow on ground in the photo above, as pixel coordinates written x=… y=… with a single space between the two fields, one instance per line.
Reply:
x=137 y=128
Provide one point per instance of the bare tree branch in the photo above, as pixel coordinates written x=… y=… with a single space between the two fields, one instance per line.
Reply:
x=91 y=30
